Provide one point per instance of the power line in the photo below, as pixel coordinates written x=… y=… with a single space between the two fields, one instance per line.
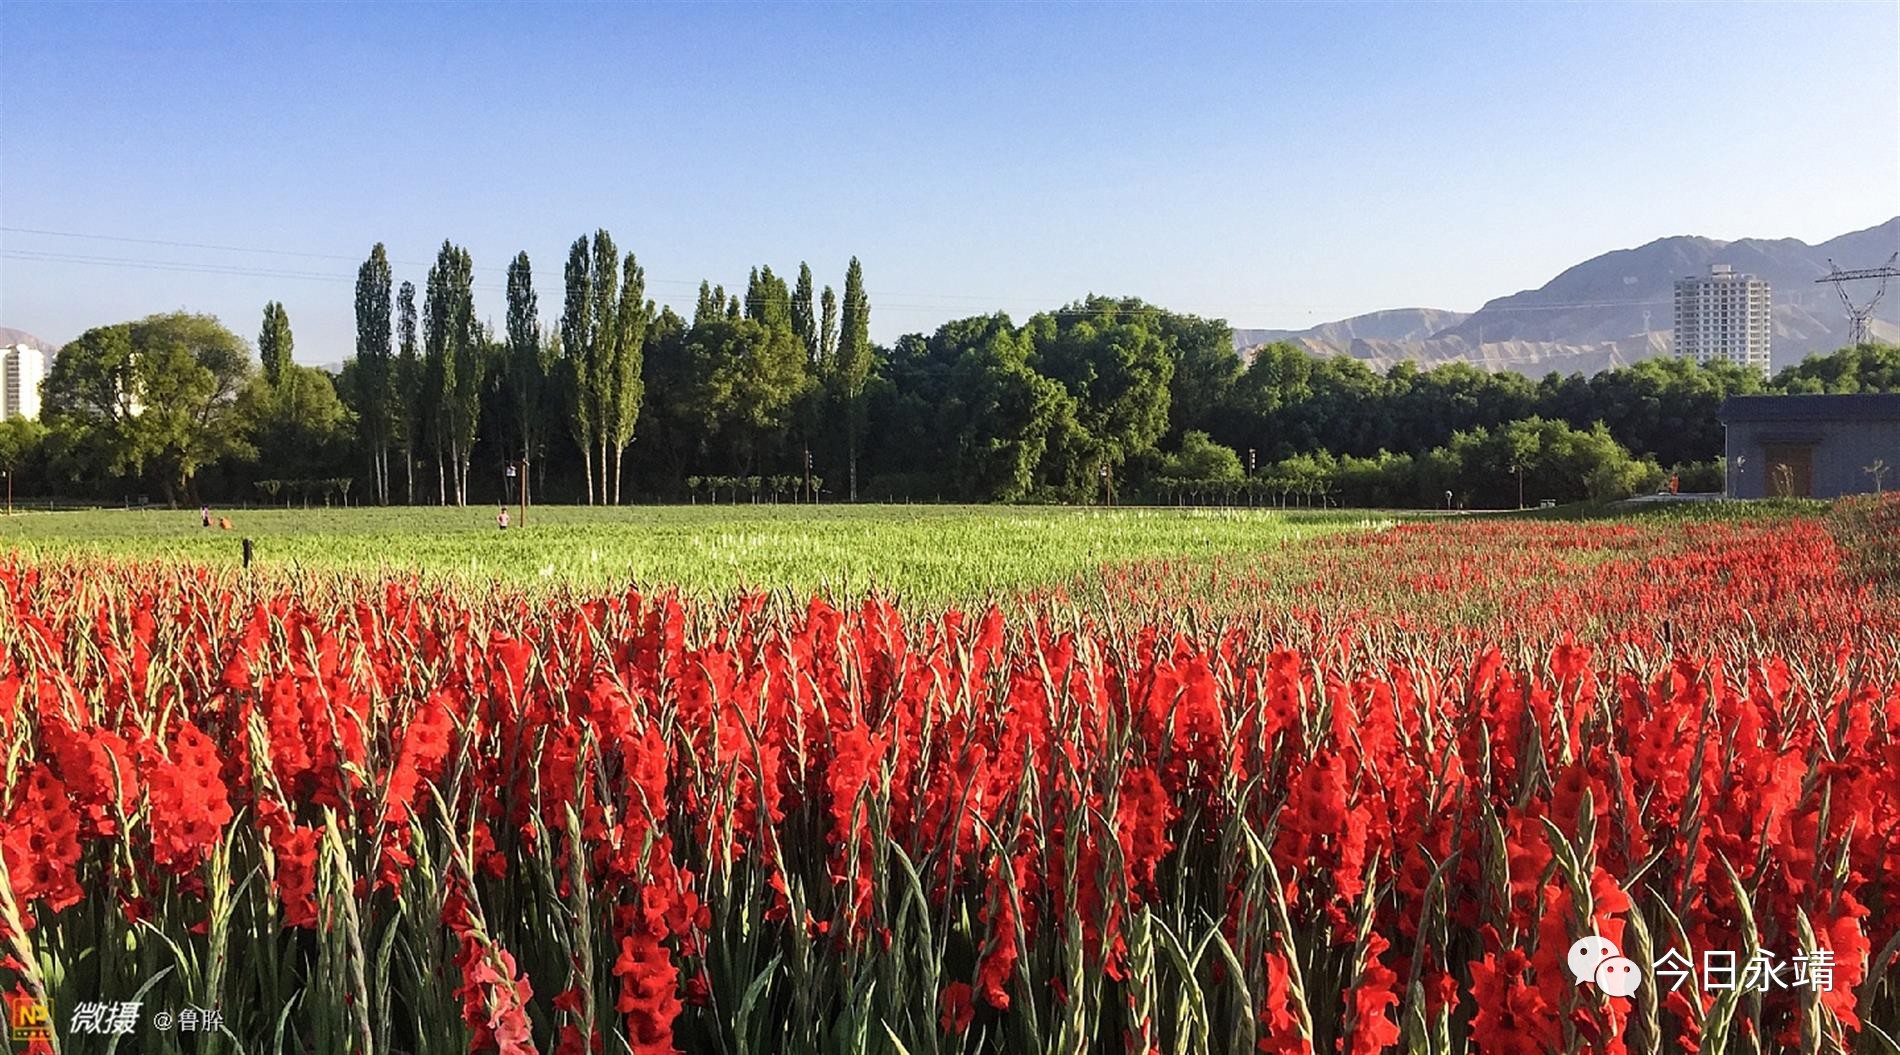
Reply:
x=192 y=267
x=170 y=243
x=889 y=300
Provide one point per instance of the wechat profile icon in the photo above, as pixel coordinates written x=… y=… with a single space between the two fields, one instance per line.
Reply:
x=1597 y=960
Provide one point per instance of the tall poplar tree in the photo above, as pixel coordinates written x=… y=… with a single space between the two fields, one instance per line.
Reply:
x=606 y=345
x=768 y=302
x=624 y=388
x=804 y=322
x=471 y=368
x=577 y=354
x=526 y=372
x=375 y=364
x=452 y=367
x=853 y=364
x=274 y=342
x=828 y=333
x=408 y=402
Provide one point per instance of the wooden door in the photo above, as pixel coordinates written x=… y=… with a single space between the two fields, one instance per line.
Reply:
x=1790 y=470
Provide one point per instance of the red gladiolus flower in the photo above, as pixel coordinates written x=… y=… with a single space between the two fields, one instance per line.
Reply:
x=957 y=1011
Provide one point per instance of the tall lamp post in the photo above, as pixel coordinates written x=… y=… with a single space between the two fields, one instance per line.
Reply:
x=517 y=470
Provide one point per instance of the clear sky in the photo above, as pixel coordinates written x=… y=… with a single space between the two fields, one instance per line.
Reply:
x=1274 y=165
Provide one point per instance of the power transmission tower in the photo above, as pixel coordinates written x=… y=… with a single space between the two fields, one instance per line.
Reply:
x=1857 y=318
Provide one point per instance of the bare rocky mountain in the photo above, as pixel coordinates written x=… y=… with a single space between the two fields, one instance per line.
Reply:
x=1592 y=316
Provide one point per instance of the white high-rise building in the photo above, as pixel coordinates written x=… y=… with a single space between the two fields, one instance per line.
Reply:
x=1724 y=316
x=21 y=369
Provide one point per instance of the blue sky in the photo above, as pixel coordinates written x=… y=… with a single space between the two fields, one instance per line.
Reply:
x=1274 y=165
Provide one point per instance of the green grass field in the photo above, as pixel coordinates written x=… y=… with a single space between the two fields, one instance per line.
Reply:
x=917 y=552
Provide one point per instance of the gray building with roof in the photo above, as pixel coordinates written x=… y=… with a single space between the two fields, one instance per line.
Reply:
x=1811 y=446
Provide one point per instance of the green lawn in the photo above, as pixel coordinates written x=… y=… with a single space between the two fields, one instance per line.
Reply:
x=919 y=552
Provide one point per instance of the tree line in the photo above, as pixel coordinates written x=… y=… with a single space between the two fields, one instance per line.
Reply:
x=778 y=391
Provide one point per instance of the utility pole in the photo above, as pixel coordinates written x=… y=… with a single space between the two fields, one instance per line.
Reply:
x=524 y=490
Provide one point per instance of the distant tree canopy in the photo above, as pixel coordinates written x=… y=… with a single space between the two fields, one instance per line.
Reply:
x=618 y=398
x=157 y=398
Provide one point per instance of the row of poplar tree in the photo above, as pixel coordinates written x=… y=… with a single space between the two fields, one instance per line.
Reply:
x=783 y=358
x=769 y=393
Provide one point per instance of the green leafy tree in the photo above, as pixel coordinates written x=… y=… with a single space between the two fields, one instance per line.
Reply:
x=1872 y=367
x=1205 y=369
x=1002 y=414
x=299 y=428
x=375 y=388
x=1111 y=358
x=190 y=371
x=93 y=380
x=745 y=379
x=1665 y=407
x=1201 y=460
x=158 y=394
x=672 y=436
x=274 y=341
x=21 y=441
x=1523 y=450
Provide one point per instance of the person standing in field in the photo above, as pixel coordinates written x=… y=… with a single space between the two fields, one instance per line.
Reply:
x=205 y=511
x=501 y=519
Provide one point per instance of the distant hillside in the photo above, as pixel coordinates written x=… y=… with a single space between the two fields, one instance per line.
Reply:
x=1591 y=316
x=1394 y=324
x=10 y=337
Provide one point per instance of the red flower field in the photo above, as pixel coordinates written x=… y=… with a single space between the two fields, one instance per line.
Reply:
x=1359 y=797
